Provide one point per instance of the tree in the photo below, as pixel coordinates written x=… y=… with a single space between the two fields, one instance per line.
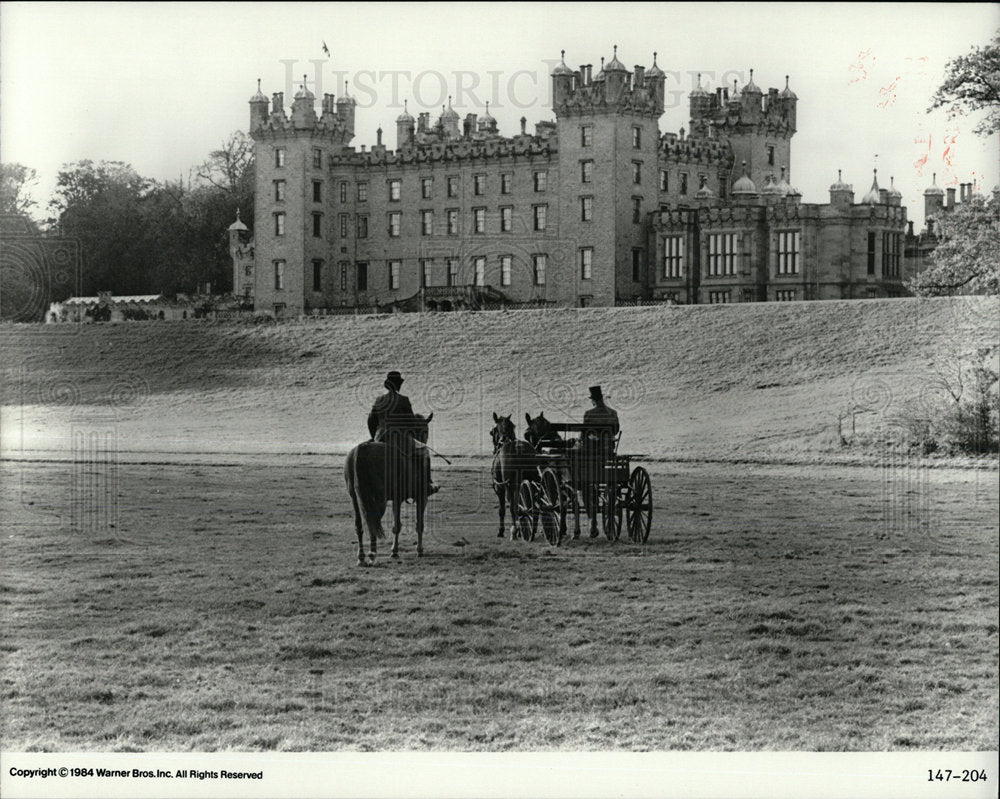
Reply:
x=16 y=183
x=972 y=83
x=965 y=260
x=231 y=167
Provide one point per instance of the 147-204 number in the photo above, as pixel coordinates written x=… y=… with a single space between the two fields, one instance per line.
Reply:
x=965 y=775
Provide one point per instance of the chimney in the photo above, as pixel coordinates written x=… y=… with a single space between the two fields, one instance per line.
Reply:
x=909 y=230
x=640 y=75
x=378 y=137
x=278 y=101
x=883 y=196
x=423 y=119
x=583 y=74
x=951 y=197
x=524 y=126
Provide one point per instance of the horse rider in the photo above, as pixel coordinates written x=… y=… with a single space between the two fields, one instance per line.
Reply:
x=391 y=418
x=598 y=445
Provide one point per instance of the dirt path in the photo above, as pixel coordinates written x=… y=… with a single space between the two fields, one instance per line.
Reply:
x=773 y=608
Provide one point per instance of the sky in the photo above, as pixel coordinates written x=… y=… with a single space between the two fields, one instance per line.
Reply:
x=159 y=86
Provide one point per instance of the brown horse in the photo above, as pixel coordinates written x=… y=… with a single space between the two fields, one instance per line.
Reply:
x=577 y=473
x=394 y=470
x=513 y=462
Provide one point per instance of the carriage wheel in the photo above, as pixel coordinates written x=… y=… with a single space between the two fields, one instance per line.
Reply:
x=639 y=507
x=611 y=512
x=526 y=514
x=550 y=507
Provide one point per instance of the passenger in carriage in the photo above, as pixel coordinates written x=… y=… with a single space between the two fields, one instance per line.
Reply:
x=391 y=417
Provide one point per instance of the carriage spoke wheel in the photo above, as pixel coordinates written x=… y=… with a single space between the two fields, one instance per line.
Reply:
x=639 y=506
x=526 y=514
x=550 y=507
x=611 y=512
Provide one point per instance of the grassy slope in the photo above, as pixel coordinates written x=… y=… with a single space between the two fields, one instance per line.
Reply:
x=762 y=380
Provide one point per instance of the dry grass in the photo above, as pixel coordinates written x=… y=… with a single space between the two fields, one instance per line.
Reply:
x=771 y=609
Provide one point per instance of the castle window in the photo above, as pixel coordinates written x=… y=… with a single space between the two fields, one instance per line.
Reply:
x=362 y=226
x=539 y=213
x=636 y=137
x=586 y=209
x=586 y=262
x=479 y=265
x=673 y=256
x=478 y=220
x=343 y=191
x=279 y=156
x=538 y=267
x=506 y=262
x=636 y=266
x=506 y=182
x=722 y=254
x=637 y=172
x=479 y=185
x=788 y=252
x=279 y=275
x=248 y=271
x=785 y=295
x=317 y=191
x=317 y=275
x=362 y=192
x=426 y=186
x=393 y=274
x=452 y=272
x=636 y=210
x=586 y=171
x=452 y=221
x=318 y=225
x=718 y=297
x=541 y=179
x=664 y=180
x=394 y=190
x=279 y=190
x=343 y=275
x=770 y=155
x=426 y=266
x=317 y=158
x=362 y=276
x=453 y=186
x=871 y=253
x=506 y=219
x=343 y=226
x=684 y=182
x=279 y=224
x=394 y=223
x=890 y=255
x=586 y=135
x=427 y=223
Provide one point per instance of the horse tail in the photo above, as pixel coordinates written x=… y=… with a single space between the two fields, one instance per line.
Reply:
x=369 y=488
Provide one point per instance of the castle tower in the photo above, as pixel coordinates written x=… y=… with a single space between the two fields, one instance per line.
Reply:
x=841 y=194
x=608 y=167
x=258 y=109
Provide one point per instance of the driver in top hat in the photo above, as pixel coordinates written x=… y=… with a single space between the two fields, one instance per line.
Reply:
x=601 y=413
x=598 y=446
x=393 y=412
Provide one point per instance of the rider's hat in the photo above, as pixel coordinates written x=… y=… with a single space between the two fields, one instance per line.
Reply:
x=393 y=381
x=596 y=394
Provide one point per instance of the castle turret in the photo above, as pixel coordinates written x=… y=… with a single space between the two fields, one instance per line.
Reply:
x=562 y=82
x=744 y=188
x=450 y=121
x=873 y=197
x=345 y=110
x=894 y=196
x=304 y=108
x=258 y=109
x=789 y=100
x=616 y=77
x=405 y=128
x=656 y=83
x=841 y=194
x=933 y=199
x=487 y=124
x=752 y=103
x=700 y=102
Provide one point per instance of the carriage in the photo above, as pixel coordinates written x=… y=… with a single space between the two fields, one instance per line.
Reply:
x=622 y=495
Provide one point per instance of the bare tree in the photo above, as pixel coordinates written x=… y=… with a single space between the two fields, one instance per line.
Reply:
x=230 y=168
x=972 y=83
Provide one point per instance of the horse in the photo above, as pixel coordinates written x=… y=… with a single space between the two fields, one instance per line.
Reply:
x=513 y=462
x=393 y=470
x=579 y=473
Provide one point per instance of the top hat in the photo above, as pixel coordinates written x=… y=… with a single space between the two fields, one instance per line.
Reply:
x=393 y=381
x=595 y=394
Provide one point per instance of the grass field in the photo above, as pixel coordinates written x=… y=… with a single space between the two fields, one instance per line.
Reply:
x=177 y=552
x=774 y=608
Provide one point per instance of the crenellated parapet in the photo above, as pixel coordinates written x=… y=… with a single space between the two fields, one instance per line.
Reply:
x=772 y=114
x=695 y=150
x=334 y=124
x=460 y=150
x=614 y=90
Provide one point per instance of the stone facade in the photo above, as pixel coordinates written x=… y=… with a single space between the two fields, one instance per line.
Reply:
x=582 y=211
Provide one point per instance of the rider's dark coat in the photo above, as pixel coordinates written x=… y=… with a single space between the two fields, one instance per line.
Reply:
x=390 y=410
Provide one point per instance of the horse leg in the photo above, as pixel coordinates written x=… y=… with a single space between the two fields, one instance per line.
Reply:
x=501 y=492
x=359 y=529
x=512 y=488
x=397 y=525
x=421 y=504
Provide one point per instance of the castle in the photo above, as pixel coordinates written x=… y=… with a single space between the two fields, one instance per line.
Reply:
x=597 y=208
